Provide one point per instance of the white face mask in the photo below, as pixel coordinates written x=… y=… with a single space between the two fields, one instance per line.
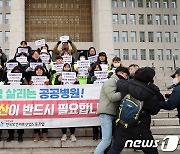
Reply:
x=175 y=81
x=116 y=65
x=82 y=59
x=132 y=73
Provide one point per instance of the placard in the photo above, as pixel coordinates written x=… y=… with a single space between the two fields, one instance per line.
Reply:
x=68 y=77
x=23 y=50
x=58 y=67
x=67 y=59
x=104 y=67
x=38 y=80
x=101 y=76
x=93 y=59
x=64 y=38
x=40 y=43
x=22 y=60
x=14 y=78
x=33 y=64
x=10 y=66
x=83 y=66
x=45 y=58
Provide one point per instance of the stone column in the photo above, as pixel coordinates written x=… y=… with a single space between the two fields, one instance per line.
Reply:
x=17 y=26
x=103 y=26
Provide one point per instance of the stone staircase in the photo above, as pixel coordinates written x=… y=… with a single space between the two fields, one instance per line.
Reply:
x=163 y=124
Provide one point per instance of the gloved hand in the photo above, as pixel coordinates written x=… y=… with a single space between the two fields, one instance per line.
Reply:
x=70 y=41
x=59 y=42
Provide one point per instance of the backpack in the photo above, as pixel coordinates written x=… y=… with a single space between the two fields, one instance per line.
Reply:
x=129 y=111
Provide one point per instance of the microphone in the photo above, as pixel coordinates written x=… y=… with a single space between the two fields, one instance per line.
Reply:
x=170 y=86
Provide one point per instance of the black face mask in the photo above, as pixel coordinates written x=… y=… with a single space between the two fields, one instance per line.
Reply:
x=120 y=77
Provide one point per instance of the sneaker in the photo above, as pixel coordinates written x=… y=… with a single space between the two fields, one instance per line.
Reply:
x=64 y=137
x=36 y=137
x=44 y=137
x=20 y=138
x=73 y=138
x=10 y=138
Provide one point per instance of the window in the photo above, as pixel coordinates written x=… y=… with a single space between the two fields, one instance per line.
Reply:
x=132 y=19
x=116 y=36
x=160 y=54
x=151 y=54
x=174 y=18
x=0 y=36
x=141 y=19
x=1 y=3
x=149 y=19
x=166 y=20
x=157 y=3
x=168 y=36
x=123 y=3
x=142 y=36
x=131 y=3
x=168 y=54
x=115 y=19
x=0 y=18
x=114 y=3
x=174 y=4
x=134 y=54
x=8 y=3
x=165 y=4
x=175 y=36
x=158 y=19
x=162 y=68
x=150 y=37
x=140 y=3
x=125 y=54
x=133 y=37
x=7 y=18
x=159 y=36
x=148 y=3
x=124 y=19
x=117 y=52
x=125 y=36
x=143 y=54
x=176 y=54
x=7 y=36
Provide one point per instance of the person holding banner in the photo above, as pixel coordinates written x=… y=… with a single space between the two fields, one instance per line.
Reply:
x=40 y=72
x=23 y=48
x=59 y=81
x=56 y=69
x=108 y=104
x=82 y=67
x=65 y=47
x=22 y=81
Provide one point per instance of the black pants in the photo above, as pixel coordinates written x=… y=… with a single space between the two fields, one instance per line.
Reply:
x=120 y=139
x=12 y=131
x=44 y=130
x=72 y=130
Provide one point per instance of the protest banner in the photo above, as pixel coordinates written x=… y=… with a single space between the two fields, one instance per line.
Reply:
x=93 y=59
x=22 y=50
x=38 y=80
x=33 y=65
x=104 y=67
x=58 y=67
x=29 y=107
x=10 y=66
x=14 y=78
x=45 y=58
x=67 y=59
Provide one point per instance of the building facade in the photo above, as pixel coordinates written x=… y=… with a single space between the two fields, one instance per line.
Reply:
x=145 y=32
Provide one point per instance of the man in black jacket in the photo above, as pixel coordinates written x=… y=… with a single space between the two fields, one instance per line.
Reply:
x=140 y=89
x=174 y=99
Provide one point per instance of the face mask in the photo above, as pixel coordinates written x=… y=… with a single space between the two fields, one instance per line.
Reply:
x=82 y=59
x=175 y=81
x=116 y=65
x=131 y=73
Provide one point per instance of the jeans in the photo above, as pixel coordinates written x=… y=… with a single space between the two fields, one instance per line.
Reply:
x=106 y=127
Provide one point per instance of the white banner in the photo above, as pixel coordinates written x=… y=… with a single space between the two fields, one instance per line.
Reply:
x=67 y=59
x=22 y=60
x=33 y=65
x=24 y=50
x=10 y=66
x=64 y=38
x=40 y=43
x=68 y=77
x=83 y=66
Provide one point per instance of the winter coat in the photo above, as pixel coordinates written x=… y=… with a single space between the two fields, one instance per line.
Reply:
x=60 y=52
x=108 y=102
